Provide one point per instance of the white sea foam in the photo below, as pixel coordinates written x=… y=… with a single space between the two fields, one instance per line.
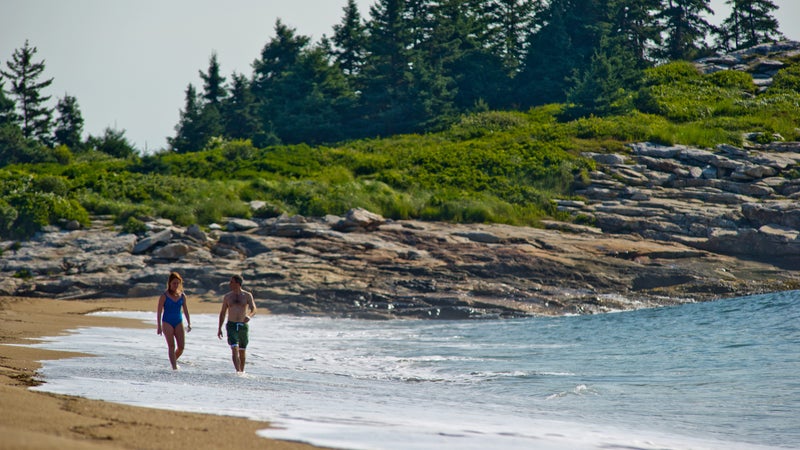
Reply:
x=569 y=383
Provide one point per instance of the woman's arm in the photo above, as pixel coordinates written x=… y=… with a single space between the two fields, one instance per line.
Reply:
x=186 y=313
x=159 y=312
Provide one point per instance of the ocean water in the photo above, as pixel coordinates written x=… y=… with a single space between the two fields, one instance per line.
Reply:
x=719 y=375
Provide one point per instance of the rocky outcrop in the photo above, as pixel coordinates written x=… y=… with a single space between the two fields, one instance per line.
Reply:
x=762 y=61
x=733 y=201
x=655 y=225
x=365 y=266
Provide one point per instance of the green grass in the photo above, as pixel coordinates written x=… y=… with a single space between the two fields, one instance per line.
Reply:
x=496 y=166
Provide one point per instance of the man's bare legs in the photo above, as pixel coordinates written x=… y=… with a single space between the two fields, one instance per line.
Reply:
x=238 y=357
x=235 y=356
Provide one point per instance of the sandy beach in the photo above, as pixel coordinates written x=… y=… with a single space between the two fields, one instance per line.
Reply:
x=37 y=420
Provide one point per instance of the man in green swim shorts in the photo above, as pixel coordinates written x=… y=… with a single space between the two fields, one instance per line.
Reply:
x=239 y=307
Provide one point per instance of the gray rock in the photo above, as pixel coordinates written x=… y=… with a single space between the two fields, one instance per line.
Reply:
x=241 y=225
x=245 y=244
x=480 y=236
x=194 y=232
x=359 y=219
x=151 y=240
x=172 y=251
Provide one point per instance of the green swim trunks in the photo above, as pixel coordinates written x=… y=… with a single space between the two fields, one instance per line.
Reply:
x=237 y=334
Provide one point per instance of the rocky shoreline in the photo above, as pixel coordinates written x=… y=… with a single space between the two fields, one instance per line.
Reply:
x=362 y=266
x=670 y=224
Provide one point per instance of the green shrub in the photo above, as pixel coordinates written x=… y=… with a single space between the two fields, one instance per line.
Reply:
x=36 y=210
x=127 y=211
x=268 y=211
x=733 y=79
x=672 y=73
x=134 y=226
x=8 y=215
x=62 y=154
x=238 y=149
x=54 y=184
x=787 y=79
x=480 y=124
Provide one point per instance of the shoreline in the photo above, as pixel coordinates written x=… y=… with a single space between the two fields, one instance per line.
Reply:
x=42 y=420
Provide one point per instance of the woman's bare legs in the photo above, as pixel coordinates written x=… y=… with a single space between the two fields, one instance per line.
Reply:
x=180 y=341
x=169 y=335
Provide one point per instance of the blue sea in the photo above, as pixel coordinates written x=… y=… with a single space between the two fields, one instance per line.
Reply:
x=717 y=375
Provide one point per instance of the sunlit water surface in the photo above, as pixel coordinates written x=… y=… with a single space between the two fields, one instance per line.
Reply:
x=720 y=375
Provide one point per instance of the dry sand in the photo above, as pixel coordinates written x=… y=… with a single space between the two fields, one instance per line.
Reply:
x=37 y=420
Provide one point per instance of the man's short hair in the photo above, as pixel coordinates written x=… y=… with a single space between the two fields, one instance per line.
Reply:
x=239 y=280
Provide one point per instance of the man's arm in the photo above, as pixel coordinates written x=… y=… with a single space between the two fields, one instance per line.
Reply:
x=251 y=304
x=223 y=311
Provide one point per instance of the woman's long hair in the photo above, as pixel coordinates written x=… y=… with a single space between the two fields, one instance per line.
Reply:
x=175 y=276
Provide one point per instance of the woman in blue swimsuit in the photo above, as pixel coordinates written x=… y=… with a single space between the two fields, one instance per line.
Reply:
x=170 y=319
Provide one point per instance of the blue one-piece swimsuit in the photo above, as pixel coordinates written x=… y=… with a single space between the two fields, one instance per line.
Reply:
x=173 y=310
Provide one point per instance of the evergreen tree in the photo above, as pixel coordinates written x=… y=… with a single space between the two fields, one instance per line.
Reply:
x=277 y=57
x=23 y=73
x=431 y=55
x=113 y=142
x=635 y=29
x=750 y=23
x=15 y=148
x=349 y=38
x=189 y=136
x=685 y=27
x=508 y=24
x=240 y=111
x=550 y=60
x=475 y=75
x=213 y=83
x=69 y=124
x=7 y=107
x=606 y=87
x=391 y=103
x=313 y=100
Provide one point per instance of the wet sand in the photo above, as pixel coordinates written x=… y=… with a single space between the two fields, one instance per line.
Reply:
x=38 y=420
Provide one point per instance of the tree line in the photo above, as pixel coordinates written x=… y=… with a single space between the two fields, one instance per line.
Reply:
x=413 y=66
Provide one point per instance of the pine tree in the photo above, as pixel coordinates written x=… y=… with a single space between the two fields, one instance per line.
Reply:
x=113 y=142
x=315 y=100
x=188 y=132
x=69 y=124
x=23 y=73
x=240 y=111
x=509 y=22
x=550 y=60
x=685 y=27
x=391 y=103
x=477 y=77
x=277 y=57
x=633 y=26
x=750 y=23
x=607 y=85
x=213 y=83
x=349 y=37
x=7 y=107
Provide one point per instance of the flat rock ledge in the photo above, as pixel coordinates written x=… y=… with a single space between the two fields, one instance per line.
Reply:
x=743 y=202
x=364 y=266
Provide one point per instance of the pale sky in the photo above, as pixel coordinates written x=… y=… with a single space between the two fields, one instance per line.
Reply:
x=128 y=62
